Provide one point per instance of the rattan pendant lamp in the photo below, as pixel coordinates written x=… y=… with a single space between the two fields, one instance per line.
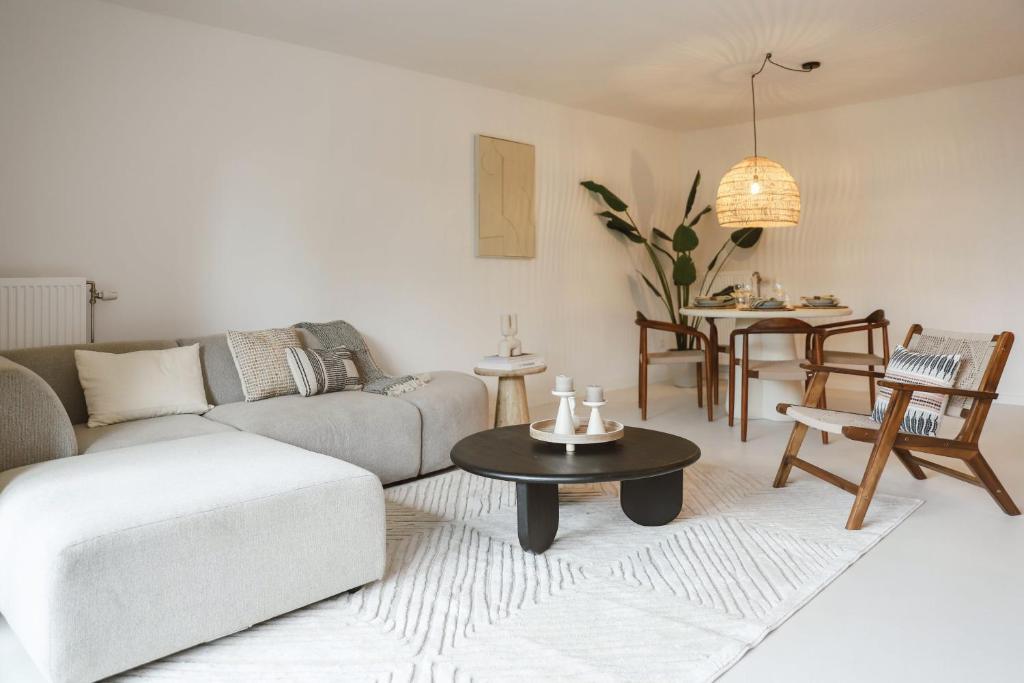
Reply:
x=758 y=192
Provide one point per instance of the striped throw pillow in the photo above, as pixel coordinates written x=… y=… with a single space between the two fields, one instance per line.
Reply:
x=925 y=411
x=322 y=371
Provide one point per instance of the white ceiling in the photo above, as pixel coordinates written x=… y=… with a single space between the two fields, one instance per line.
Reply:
x=674 y=63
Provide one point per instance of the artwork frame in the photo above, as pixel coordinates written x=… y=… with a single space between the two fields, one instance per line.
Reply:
x=506 y=198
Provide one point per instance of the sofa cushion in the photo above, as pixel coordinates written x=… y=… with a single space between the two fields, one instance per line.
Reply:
x=219 y=373
x=138 y=432
x=452 y=405
x=114 y=559
x=377 y=432
x=56 y=365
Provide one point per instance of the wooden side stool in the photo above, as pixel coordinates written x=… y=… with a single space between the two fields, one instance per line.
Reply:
x=511 y=408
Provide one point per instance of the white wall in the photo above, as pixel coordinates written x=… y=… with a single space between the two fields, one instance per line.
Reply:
x=219 y=180
x=909 y=204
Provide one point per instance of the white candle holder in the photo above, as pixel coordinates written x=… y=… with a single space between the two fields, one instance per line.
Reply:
x=596 y=423
x=565 y=421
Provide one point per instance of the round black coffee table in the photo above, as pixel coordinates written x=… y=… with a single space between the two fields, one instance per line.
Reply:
x=648 y=463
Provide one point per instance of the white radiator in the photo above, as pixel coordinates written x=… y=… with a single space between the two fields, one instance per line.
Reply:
x=41 y=311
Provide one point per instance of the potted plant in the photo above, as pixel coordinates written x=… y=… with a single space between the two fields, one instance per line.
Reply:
x=672 y=255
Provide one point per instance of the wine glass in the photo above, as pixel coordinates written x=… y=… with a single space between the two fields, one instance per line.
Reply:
x=741 y=291
x=779 y=292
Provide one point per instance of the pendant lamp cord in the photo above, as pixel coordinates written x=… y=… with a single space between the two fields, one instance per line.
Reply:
x=806 y=68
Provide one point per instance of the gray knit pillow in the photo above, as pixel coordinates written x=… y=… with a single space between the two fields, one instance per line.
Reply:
x=261 y=363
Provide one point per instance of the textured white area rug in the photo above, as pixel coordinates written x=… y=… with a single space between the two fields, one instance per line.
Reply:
x=609 y=601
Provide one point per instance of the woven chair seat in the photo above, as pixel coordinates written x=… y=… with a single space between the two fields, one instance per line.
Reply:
x=833 y=421
x=674 y=357
x=852 y=358
x=785 y=370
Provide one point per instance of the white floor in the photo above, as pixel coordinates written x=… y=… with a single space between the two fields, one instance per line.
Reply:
x=940 y=599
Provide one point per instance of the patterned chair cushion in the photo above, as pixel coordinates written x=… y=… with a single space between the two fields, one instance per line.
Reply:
x=924 y=414
x=321 y=371
x=261 y=363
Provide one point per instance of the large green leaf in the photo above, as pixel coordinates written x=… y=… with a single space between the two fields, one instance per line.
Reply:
x=615 y=223
x=607 y=195
x=653 y=288
x=663 y=279
x=700 y=215
x=663 y=251
x=744 y=238
x=685 y=272
x=685 y=239
x=661 y=233
x=693 y=195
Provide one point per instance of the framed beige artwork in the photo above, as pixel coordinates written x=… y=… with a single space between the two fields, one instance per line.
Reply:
x=506 y=226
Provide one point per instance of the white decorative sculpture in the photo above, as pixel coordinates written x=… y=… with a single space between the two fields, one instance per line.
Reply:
x=595 y=399
x=565 y=428
x=565 y=422
x=510 y=345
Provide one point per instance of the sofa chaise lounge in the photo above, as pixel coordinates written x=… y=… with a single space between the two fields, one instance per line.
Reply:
x=167 y=532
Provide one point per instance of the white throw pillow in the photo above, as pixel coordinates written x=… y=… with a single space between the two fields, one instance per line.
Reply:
x=120 y=387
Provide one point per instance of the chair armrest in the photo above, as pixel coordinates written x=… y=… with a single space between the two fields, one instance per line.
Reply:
x=826 y=333
x=948 y=391
x=811 y=367
x=33 y=423
x=841 y=323
x=672 y=327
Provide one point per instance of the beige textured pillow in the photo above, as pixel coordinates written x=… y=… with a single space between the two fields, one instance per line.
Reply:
x=120 y=387
x=261 y=363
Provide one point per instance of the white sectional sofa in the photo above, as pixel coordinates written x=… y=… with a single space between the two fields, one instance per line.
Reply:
x=123 y=544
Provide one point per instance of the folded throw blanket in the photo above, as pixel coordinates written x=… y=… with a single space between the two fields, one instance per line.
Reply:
x=340 y=333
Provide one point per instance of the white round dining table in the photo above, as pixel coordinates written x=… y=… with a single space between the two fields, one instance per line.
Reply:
x=765 y=394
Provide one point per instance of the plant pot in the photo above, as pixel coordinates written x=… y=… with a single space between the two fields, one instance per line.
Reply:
x=683 y=375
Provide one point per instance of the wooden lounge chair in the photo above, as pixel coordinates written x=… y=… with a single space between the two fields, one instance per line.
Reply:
x=982 y=361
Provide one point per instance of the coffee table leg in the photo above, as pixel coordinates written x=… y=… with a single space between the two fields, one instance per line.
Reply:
x=653 y=501
x=537 y=511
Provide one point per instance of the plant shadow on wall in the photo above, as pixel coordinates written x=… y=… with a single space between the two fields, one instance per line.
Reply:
x=672 y=255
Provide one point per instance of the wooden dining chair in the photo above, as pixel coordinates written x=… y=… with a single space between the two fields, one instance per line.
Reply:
x=983 y=358
x=871 y=360
x=785 y=370
x=701 y=356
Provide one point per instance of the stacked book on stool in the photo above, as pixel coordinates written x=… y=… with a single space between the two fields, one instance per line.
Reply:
x=524 y=361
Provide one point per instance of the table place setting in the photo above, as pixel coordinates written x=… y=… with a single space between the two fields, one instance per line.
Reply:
x=820 y=301
x=720 y=301
x=766 y=304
